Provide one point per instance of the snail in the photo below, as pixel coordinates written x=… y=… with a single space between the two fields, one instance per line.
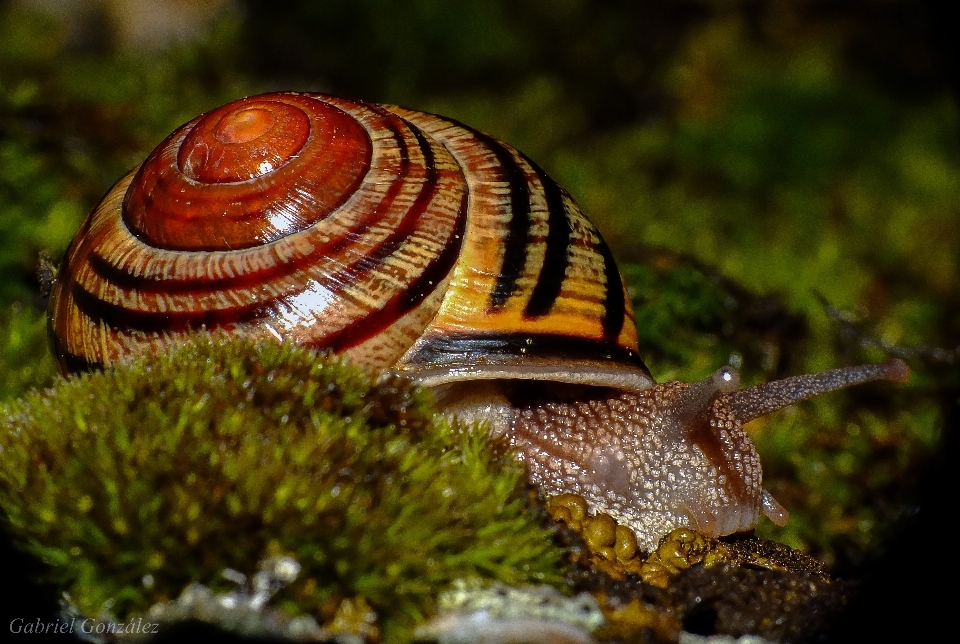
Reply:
x=410 y=242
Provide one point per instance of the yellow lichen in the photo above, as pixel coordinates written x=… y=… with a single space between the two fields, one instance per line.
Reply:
x=626 y=621
x=613 y=547
x=678 y=551
x=355 y=618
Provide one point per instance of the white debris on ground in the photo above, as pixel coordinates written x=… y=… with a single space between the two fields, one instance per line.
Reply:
x=690 y=638
x=470 y=613
x=243 y=610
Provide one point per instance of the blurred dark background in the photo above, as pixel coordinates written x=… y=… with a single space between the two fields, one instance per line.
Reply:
x=780 y=180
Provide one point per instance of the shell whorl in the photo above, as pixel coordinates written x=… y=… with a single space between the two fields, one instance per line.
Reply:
x=401 y=238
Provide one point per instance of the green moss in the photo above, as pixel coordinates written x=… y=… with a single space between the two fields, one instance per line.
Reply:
x=220 y=454
x=680 y=314
x=25 y=360
x=73 y=121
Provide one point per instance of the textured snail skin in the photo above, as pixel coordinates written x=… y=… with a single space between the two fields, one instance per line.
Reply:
x=673 y=455
x=623 y=456
x=410 y=242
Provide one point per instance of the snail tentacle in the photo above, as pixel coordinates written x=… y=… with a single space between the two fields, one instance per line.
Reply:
x=696 y=399
x=769 y=397
x=772 y=509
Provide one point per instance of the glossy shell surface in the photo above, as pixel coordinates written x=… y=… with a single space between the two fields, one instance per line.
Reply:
x=401 y=238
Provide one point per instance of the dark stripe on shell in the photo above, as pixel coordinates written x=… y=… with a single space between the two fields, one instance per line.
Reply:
x=359 y=230
x=408 y=299
x=477 y=350
x=73 y=363
x=123 y=279
x=516 y=240
x=614 y=306
x=116 y=316
x=416 y=291
x=554 y=268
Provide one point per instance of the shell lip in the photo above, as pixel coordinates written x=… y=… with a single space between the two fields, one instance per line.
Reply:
x=438 y=359
x=617 y=377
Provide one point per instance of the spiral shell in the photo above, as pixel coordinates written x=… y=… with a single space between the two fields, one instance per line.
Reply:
x=401 y=238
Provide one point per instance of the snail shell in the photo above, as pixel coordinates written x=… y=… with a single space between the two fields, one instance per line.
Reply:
x=411 y=242
x=400 y=238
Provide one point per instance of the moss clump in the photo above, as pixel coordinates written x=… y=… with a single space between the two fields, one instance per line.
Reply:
x=25 y=361
x=222 y=453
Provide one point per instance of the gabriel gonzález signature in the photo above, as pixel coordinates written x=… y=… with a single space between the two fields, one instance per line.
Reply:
x=89 y=626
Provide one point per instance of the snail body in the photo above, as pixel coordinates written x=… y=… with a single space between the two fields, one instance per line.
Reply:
x=410 y=242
